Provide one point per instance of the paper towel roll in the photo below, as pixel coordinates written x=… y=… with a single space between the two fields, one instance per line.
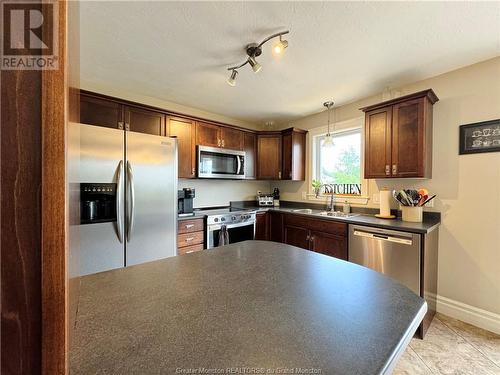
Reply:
x=385 y=202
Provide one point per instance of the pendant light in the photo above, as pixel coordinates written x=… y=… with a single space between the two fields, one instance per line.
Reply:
x=328 y=142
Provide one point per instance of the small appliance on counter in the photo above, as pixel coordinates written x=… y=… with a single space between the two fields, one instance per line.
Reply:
x=185 y=202
x=265 y=200
x=276 y=197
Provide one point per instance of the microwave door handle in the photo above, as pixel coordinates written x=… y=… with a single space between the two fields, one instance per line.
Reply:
x=131 y=201
x=239 y=164
x=119 y=201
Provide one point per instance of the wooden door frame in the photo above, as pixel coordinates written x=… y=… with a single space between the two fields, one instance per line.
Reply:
x=55 y=102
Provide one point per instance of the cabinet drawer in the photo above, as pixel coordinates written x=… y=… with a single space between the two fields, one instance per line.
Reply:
x=189 y=249
x=327 y=226
x=188 y=239
x=188 y=226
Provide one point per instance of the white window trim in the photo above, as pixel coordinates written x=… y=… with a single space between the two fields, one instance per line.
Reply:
x=340 y=127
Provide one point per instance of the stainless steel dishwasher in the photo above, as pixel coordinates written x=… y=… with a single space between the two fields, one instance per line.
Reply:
x=393 y=253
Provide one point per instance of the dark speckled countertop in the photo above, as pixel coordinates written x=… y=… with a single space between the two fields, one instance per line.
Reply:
x=253 y=304
x=431 y=220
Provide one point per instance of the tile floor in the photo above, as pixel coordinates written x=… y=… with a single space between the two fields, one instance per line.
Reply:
x=452 y=347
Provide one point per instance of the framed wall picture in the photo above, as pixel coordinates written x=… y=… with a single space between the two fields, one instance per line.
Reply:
x=480 y=137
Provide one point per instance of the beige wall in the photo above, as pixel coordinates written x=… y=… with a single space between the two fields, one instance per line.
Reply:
x=220 y=192
x=467 y=186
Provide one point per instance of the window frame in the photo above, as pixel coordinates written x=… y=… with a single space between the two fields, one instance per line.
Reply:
x=316 y=168
x=315 y=134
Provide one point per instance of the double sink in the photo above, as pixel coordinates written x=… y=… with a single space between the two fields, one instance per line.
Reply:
x=325 y=213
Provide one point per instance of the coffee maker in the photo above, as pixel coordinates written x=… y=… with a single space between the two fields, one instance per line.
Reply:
x=185 y=202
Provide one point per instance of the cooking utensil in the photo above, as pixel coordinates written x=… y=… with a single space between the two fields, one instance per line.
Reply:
x=428 y=200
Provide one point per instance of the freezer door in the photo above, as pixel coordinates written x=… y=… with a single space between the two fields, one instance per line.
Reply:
x=101 y=161
x=151 y=198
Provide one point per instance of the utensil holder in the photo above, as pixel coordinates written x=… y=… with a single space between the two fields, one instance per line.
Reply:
x=412 y=214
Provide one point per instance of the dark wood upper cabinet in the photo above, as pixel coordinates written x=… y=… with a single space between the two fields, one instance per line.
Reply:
x=231 y=138
x=208 y=135
x=408 y=134
x=250 y=148
x=294 y=155
x=269 y=156
x=398 y=137
x=144 y=121
x=101 y=112
x=184 y=130
x=378 y=142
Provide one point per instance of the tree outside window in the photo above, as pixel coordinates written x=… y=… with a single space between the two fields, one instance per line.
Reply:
x=341 y=163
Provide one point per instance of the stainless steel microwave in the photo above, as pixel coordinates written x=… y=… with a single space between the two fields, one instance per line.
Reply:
x=216 y=162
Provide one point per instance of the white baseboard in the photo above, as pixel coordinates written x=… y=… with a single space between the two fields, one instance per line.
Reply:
x=469 y=314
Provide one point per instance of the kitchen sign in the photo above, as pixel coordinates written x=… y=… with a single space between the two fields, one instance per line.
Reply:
x=346 y=189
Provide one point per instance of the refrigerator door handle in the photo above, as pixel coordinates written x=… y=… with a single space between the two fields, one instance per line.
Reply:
x=131 y=201
x=119 y=201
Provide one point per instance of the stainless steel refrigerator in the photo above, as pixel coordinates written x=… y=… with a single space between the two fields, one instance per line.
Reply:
x=128 y=193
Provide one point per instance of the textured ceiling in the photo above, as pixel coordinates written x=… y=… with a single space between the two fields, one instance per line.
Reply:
x=179 y=51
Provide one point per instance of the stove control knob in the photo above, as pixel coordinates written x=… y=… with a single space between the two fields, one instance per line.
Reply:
x=233 y=218
x=222 y=219
x=216 y=219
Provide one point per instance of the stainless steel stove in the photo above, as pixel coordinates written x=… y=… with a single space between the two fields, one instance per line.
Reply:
x=236 y=225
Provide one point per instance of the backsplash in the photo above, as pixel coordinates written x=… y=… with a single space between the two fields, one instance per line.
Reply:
x=210 y=193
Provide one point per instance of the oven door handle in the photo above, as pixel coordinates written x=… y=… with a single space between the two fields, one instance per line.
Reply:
x=213 y=227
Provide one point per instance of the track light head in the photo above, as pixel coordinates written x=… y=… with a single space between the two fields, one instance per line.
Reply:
x=280 y=46
x=256 y=67
x=231 y=81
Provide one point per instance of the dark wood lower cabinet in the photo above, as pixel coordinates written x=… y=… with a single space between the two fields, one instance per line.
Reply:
x=262 y=226
x=322 y=236
x=297 y=236
x=329 y=244
x=276 y=226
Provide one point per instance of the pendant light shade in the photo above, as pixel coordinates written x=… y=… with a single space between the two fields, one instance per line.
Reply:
x=328 y=142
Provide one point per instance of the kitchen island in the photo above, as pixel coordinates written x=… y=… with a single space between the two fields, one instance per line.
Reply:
x=257 y=305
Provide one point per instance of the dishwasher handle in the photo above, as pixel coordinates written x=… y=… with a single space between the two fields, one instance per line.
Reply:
x=384 y=237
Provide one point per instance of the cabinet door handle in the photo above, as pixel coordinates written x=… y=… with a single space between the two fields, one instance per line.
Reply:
x=394 y=169
x=190 y=251
x=308 y=238
x=223 y=143
x=312 y=238
x=187 y=226
x=120 y=125
x=189 y=239
x=193 y=171
x=387 y=170
x=279 y=175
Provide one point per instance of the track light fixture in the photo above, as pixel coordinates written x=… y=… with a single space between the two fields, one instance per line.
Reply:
x=255 y=50
x=232 y=80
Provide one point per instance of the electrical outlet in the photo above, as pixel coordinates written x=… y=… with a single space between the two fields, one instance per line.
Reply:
x=376 y=198
x=259 y=192
x=431 y=203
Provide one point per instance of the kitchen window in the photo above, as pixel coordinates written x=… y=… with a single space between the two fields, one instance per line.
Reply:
x=340 y=164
